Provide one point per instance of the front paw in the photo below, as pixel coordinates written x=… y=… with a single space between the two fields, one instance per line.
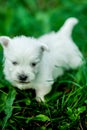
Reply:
x=40 y=99
x=41 y=92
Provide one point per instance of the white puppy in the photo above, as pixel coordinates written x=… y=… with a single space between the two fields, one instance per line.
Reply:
x=36 y=63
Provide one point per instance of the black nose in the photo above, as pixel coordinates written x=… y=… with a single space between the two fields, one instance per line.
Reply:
x=22 y=77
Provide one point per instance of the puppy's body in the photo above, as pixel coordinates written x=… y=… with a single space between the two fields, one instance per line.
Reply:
x=41 y=60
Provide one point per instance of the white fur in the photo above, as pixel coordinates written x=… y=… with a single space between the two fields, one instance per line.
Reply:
x=53 y=53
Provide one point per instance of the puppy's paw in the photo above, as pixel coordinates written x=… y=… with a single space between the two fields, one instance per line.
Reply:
x=40 y=99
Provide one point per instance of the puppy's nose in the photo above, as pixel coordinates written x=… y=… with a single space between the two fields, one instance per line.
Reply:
x=22 y=77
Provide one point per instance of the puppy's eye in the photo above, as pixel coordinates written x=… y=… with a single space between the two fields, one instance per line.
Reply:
x=14 y=63
x=33 y=64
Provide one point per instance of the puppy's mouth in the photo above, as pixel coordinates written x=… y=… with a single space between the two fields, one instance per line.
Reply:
x=22 y=82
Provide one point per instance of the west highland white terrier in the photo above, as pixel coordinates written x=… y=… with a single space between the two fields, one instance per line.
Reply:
x=36 y=63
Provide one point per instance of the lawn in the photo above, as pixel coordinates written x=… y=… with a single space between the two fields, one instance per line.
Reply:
x=66 y=105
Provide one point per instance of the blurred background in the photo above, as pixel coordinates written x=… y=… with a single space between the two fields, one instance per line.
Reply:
x=36 y=17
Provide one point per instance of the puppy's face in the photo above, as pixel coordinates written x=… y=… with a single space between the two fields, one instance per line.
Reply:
x=22 y=57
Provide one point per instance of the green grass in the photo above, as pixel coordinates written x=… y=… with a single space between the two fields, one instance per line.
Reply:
x=66 y=105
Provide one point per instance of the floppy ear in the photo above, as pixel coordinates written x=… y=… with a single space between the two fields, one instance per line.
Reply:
x=4 y=40
x=44 y=47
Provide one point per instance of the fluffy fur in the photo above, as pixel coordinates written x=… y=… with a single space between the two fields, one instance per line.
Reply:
x=36 y=63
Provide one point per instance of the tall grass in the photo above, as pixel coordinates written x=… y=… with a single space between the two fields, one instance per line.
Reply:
x=66 y=105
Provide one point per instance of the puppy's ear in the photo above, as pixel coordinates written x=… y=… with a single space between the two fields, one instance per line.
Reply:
x=4 y=40
x=44 y=47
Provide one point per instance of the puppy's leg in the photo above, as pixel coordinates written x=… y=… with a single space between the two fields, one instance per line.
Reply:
x=41 y=91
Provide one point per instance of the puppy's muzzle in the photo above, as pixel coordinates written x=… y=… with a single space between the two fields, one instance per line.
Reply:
x=22 y=77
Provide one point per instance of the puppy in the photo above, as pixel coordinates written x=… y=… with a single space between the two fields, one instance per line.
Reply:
x=36 y=63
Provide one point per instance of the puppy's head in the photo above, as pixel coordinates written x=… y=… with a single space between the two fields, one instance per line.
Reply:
x=22 y=58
